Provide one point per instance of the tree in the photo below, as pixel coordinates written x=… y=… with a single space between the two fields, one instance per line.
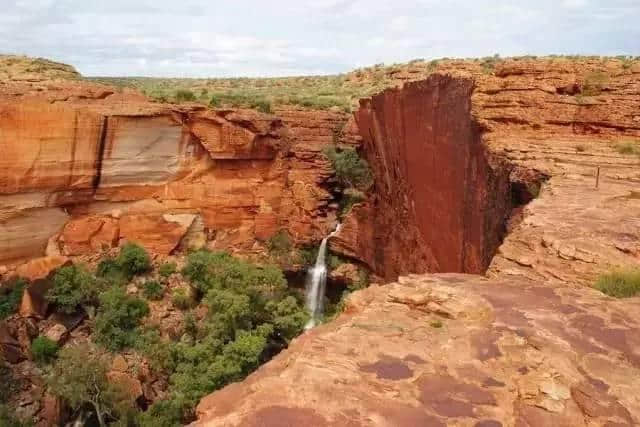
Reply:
x=351 y=170
x=79 y=376
x=287 y=317
x=118 y=316
x=10 y=297
x=133 y=259
x=73 y=286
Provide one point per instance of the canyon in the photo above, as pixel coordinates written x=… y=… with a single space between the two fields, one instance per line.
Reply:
x=498 y=198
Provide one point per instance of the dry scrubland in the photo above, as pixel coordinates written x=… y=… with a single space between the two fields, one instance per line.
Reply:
x=335 y=91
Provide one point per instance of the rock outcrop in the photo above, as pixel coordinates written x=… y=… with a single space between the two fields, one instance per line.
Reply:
x=533 y=131
x=529 y=343
x=84 y=168
x=437 y=189
x=450 y=349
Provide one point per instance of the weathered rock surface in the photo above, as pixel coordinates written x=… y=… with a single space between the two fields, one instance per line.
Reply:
x=91 y=167
x=532 y=128
x=530 y=344
x=455 y=350
x=438 y=191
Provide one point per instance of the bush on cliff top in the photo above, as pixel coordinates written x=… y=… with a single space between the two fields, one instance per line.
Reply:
x=620 y=284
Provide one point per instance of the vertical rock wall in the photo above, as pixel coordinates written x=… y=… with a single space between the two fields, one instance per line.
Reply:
x=440 y=199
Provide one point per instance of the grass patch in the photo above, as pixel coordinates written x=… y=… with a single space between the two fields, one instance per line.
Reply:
x=437 y=324
x=594 y=83
x=620 y=284
x=628 y=147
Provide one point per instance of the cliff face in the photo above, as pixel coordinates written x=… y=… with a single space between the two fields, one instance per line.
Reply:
x=530 y=343
x=83 y=167
x=440 y=199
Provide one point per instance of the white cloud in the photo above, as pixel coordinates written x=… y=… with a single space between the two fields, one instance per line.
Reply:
x=285 y=37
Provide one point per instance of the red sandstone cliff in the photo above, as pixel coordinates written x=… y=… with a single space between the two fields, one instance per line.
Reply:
x=440 y=199
x=531 y=344
x=84 y=167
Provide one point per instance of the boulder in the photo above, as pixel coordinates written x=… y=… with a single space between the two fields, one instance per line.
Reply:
x=129 y=384
x=10 y=346
x=40 y=268
x=58 y=333
x=34 y=302
x=346 y=274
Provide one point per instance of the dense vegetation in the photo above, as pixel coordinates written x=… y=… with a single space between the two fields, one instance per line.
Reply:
x=235 y=316
x=620 y=284
x=250 y=316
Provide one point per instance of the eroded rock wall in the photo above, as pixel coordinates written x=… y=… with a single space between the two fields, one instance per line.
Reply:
x=440 y=199
x=83 y=168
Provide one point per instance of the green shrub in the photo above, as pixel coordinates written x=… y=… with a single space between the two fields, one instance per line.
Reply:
x=262 y=105
x=208 y=270
x=181 y=299
x=184 y=95
x=594 y=83
x=10 y=297
x=43 y=350
x=133 y=259
x=153 y=290
x=111 y=272
x=250 y=317
x=334 y=261
x=628 y=147
x=350 y=197
x=118 y=317
x=73 y=287
x=79 y=377
x=280 y=246
x=167 y=269
x=307 y=256
x=351 y=170
x=620 y=284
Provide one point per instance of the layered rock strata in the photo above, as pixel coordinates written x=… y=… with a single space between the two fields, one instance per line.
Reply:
x=530 y=343
x=84 y=167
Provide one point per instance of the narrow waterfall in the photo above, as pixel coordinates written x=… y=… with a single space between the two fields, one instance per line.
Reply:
x=316 y=283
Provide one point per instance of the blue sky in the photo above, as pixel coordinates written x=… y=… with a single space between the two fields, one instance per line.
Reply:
x=203 y=38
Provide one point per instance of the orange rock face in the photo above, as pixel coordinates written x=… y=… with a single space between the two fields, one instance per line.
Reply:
x=450 y=350
x=438 y=191
x=95 y=168
x=530 y=343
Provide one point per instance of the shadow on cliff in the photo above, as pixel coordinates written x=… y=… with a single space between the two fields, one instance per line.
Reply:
x=441 y=200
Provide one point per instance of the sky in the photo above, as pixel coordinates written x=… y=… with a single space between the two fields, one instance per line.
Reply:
x=209 y=38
